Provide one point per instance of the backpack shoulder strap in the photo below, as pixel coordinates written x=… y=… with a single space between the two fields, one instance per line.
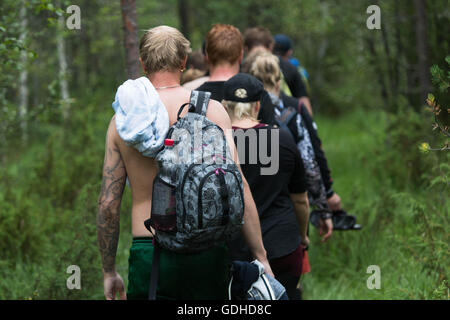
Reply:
x=283 y=120
x=200 y=99
x=287 y=115
x=299 y=106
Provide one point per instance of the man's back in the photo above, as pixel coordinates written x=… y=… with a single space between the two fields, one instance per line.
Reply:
x=205 y=276
x=142 y=170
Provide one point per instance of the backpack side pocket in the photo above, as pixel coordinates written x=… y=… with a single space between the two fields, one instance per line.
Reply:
x=163 y=214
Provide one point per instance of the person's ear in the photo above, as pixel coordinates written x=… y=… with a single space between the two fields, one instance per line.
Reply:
x=241 y=57
x=142 y=65
x=271 y=47
x=278 y=86
x=183 y=65
x=289 y=53
x=257 y=107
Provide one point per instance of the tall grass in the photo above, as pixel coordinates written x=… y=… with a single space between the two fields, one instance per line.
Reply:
x=405 y=226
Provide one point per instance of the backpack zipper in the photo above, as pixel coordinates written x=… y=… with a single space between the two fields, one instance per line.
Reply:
x=200 y=203
x=191 y=166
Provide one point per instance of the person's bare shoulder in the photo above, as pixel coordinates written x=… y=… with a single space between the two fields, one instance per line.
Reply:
x=217 y=114
x=112 y=134
x=112 y=130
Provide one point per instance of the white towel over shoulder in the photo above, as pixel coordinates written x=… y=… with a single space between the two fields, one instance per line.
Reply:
x=142 y=120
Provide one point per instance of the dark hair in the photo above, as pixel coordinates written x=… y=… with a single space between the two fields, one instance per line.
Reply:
x=257 y=36
x=196 y=60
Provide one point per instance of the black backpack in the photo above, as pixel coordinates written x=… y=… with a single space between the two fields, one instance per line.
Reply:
x=283 y=118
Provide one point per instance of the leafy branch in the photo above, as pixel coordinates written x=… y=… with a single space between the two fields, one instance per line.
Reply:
x=441 y=79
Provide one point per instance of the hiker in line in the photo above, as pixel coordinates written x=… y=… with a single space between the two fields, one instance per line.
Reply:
x=280 y=197
x=145 y=108
x=260 y=39
x=224 y=54
x=341 y=220
x=264 y=66
x=284 y=50
x=224 y=47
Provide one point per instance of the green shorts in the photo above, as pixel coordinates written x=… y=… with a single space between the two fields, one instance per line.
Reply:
x=198 y=276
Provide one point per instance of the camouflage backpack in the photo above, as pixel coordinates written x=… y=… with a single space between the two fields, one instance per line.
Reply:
x=198 y=196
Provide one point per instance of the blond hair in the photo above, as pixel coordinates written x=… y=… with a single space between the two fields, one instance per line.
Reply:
x=163 y=48
x=240 y=110
x=266 y=67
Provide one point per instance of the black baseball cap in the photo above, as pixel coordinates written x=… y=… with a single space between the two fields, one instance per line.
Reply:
x=243 y=88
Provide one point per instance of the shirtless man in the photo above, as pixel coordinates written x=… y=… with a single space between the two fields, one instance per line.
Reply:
x=122 y=160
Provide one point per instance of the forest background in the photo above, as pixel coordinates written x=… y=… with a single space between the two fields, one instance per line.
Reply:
x=371 y=92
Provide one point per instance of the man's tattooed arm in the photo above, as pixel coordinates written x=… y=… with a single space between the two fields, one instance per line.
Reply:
x=108 y=216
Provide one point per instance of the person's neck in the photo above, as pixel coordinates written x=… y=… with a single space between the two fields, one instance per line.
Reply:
x=165 y=79
x=273 y=91
x=244 y=123
x=223 y=72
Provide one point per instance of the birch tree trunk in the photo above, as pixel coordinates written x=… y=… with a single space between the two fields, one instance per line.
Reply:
x=62 y=62
x=23 y=77
x=128 y=8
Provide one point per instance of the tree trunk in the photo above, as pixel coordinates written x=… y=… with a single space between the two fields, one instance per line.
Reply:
x=387 y=51
x=422 y=50
x=130 y=38
x=23 y=77
x=399 y=48
x=62 y=62
x=183 y=15
x=373 y=58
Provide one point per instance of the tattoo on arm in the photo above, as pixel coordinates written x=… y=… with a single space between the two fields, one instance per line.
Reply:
x=108 y=216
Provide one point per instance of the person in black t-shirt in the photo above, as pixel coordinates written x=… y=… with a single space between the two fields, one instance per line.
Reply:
x=224 y=48
x=224 y=51
x=283 y=49
x=280 y=197
x=303 y=129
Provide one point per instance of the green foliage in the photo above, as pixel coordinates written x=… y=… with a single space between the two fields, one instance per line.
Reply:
x=439 y=78
x=404 y=223
x=49 y=182
x=48 y=207
x=406 y=130
x=440 y=105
